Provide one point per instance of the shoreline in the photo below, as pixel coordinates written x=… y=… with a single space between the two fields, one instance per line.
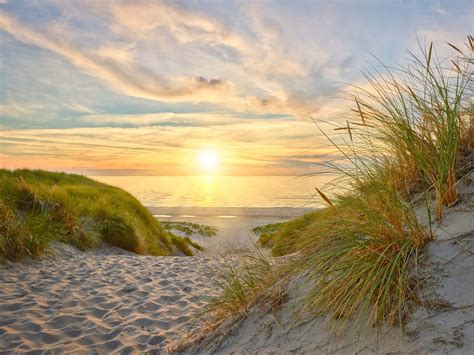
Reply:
x=227 y=212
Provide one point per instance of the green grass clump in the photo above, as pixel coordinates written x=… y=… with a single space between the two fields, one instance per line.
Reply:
x=357 y=261
x=244 y=279
x=190 y=228
x=266 y=234
x=419 y=114
x=18 y=238
x=284 y=238
x=38 y=207
x=267 y=228
x=117 y=231
x=184 y=244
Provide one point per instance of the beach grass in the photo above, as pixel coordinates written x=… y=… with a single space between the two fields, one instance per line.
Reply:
x=248 y=277
x=419 y=114
x=403 y=138
x=285 y=238
x=190 y=228
x=357 y=260
x=407 y=137
x=39 y=207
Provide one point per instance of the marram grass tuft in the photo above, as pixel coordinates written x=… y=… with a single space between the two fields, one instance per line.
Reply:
x=38 y=207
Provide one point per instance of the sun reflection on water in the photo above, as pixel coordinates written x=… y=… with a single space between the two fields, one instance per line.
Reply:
x=220 y=191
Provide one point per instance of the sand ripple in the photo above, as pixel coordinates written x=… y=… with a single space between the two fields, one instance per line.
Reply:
x=102 y=302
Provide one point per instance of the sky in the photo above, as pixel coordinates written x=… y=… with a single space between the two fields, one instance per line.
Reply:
x=145 y=87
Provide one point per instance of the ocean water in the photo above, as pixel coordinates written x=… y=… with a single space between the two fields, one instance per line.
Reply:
x=235 y=192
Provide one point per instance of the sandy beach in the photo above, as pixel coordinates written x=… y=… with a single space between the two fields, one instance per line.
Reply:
x=113 y=301
x=104 y=301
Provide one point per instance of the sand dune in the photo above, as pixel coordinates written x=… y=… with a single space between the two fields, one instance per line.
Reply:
x=441 y=323
x=104 y=301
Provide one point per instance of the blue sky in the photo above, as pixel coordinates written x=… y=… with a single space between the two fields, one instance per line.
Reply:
x=147 y=84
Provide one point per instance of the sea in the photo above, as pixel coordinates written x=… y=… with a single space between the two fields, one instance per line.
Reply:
x=222 y=191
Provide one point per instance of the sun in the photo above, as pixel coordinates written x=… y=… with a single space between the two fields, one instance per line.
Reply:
x=208 y=160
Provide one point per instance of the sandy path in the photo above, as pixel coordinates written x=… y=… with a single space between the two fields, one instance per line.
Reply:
x=232 y=233
x=100 y=302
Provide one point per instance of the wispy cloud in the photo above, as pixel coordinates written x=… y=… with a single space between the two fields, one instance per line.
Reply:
x=262 y=60
x=438 y=8
x=126 y=79
x=172 y=146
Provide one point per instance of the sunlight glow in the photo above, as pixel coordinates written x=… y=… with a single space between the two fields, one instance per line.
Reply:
x=208 y=160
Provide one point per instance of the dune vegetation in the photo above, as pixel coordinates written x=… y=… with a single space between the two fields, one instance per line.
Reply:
x=39 y=207
x=285 y=238
x=403 y=147
x=189 y=228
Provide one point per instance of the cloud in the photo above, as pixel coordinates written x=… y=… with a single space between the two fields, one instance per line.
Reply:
x=159 y=119
x=120 y=55
x=77 y=107
x=439 y=9
x=116 y=67
x=15 y=110
x=142 y=147
x=256 y=60
x=124 y=78
x=261 y=58
x=143 y=17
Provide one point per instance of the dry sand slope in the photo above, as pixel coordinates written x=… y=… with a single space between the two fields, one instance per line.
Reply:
x=103 y=302
x=442 y=324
